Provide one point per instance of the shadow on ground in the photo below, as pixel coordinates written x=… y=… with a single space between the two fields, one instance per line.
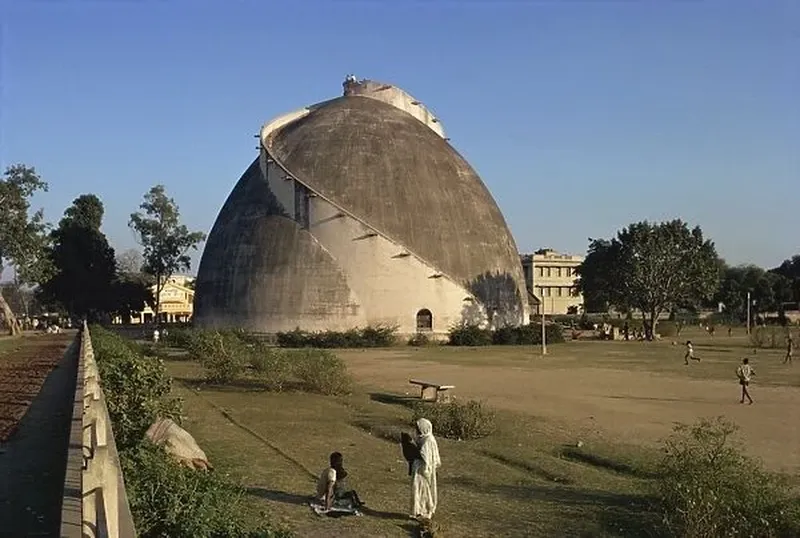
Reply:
x=304 y=500
x=620 y=515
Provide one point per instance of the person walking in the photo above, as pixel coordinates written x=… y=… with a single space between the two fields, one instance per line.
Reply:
x=424 y=492
x=744 y=372
x=789 y=348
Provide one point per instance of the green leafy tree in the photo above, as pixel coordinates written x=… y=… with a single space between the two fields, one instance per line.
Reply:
x=87 y=284
x=23 y=236
x=768 y=291
x=652 y=268
x=596 y=276
x=165 y=241
x=790 y=269
x=84 y=262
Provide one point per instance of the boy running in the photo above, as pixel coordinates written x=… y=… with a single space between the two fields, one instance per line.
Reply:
x=744 y=372
x=690 y=353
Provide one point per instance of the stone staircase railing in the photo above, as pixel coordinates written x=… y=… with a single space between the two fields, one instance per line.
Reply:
x=104 y=509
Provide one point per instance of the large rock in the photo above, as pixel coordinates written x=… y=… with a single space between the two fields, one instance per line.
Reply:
x=179 y=443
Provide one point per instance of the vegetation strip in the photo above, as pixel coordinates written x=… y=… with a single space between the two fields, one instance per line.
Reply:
x=255 y=434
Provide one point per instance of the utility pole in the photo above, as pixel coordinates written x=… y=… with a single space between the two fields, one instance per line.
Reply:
x=544 y=333
x=748 y=312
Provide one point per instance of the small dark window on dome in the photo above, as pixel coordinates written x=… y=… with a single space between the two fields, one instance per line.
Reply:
x=424 y=320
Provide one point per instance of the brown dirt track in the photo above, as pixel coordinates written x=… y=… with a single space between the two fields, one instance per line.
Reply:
x=24 y=366
x=628 y=391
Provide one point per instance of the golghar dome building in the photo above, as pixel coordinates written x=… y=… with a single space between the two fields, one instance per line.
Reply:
x=358 y=212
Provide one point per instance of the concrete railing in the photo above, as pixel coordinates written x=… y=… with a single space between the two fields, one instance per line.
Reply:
x=104 y=507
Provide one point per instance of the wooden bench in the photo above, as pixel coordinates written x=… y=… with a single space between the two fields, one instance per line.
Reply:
x=441 y=391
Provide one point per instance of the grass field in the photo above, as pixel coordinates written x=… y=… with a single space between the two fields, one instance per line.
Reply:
x=527 y=479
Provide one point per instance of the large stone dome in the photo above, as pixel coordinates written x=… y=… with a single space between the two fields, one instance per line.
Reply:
x=358 y=211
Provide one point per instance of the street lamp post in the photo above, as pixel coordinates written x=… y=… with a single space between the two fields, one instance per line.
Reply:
x=544 y=333
x=748 y=312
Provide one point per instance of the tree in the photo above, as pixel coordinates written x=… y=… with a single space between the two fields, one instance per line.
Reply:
x=790 y=269
x=652 y=268
x=86 y=212
x=768 y=291
x=596 y=276
x=23 y=237
x=130 y=262
x=85 y=263
x=165 y=241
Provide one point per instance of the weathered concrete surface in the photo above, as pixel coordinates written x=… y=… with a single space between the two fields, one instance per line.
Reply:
x=33 y=463
x=358 y=213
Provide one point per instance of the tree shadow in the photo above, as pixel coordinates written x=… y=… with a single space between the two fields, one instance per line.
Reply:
x=279 y=496
x=304 y=500
x=393 y=399
x=619 y=514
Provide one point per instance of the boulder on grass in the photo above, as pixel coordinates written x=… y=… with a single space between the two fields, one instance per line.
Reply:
x=178 y=443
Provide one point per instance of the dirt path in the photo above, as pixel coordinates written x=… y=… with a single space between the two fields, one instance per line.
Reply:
x=629 y=405
x=32 y=460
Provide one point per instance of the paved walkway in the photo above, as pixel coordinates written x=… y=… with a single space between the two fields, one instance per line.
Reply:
x=33 y=463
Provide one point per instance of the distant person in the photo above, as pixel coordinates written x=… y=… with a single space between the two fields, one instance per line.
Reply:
x=424 y=492
x=690 y=353
x=744 y=372
x=789 y=348
x=331 y=486
x=156 y=336
x=730 y=330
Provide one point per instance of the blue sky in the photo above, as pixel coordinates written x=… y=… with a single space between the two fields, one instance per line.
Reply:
x=580 y=117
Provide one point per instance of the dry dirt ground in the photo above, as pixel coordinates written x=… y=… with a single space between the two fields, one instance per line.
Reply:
x=627 y=391
x=24 y=365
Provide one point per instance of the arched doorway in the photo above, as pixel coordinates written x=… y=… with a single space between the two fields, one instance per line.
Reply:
x=424 y=320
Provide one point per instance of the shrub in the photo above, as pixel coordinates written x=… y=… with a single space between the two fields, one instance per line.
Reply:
x=708 y=487
x=456 y=420
x=419 y=340
x=469 y=335
x=531 y=334
x=168 y=499
x=370 y=336
x=136 y=388
x=180 y=338
x=222 y=353
x=768 y=337
x=270 y=365
x=319 y=370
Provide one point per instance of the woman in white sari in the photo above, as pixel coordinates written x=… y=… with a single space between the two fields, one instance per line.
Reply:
x=424 y=495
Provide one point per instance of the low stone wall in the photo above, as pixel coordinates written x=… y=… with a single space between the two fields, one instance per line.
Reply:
x=95 y=502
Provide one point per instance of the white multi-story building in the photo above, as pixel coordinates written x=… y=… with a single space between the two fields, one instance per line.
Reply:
x=550 y=277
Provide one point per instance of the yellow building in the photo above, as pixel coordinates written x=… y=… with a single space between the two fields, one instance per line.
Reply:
x=177 y=302
x=550 y=278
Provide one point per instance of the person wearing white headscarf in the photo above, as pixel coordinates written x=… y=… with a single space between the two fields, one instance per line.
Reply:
x=424 y=495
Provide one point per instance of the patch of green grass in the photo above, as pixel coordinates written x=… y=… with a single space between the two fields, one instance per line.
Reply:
x=511 y=483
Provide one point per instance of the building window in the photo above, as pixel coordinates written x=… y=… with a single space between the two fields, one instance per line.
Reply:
x=549 y=272
x=424 y=320
x=558 y=272
x=541 y=271
x=575 y=292
x=569 y=271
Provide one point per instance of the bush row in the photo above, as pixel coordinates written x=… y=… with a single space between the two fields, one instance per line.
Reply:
x=473 y=335
x=166 y=499
x=456 y=420
x=233 y=355
x=370 y=336
x=770 y=337
x=708 y=487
